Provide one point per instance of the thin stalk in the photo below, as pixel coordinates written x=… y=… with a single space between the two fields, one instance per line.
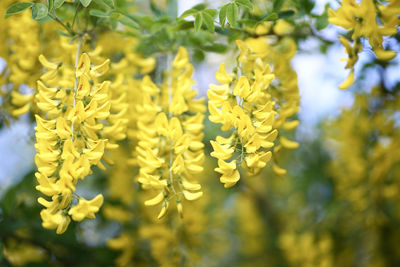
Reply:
x=78 y=51
x=75 y=15
x=69 y=30
x=169 y=84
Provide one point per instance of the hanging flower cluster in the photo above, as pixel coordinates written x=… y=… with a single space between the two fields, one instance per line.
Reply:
x=372 y=20
x=170 y=148
x=243 y=103
x=285 y=91
x=70 y=137
x=21 y=32
x=125 y=88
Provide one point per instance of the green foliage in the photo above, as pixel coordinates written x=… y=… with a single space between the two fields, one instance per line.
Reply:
x=232 y=12
x=285 y=14
x=18 y=8
x=98 y=13
x=270 y=17
x=172 y=8
x=50 y=4
x=306 y=6
x=202 y=17
x=222 y=15
x=244 y=3
x=127 y=21
x=58 y=3
x=109 y=3
x=39 y=11
x=198 y=22
x=85 y=3
x=278 y=4
x=322 y=20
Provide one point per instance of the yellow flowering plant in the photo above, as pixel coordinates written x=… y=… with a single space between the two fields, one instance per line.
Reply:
x=167 y=136
x=369 y=20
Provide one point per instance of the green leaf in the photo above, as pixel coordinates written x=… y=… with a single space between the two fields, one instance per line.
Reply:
x=109 y=3
x=73 y=39
x=51 y=4
x=278 y=5
x=232 y=12
x=199 y=7
x=18 y=8
x=211 y=12
x=114 y=24
x=245 y=3
x=198 y=21
x=85 y=3
x=127 y=21
x=172 y=8
x=270 y=17
x=184 y=25
x=215 y=47
x=44 y=19
x=63 y=33
x=193 y=11
x=222 y=15
x=248 y=22
x=98 y=13
x=189 y=12
x=198 y=55
x=156 y=11
x=322 y=20
x=9 y=201
x=307 y=5
x=39 y=11
x=58 y=3
x=208 y=21
x=286 y=14
x=115 y=15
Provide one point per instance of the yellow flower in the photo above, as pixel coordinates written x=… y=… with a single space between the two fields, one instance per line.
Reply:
x=367 y=19
x=243 y=104
x=86 y=208
x=58 y=221
x=229 y=173
x=170 y=148
x=72 y=138
x=125 y=243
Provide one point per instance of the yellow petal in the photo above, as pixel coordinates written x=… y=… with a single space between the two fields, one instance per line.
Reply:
x=385 y=54
x=100 y=69
x=83 y=65
x=163 y=211
x=155 y=200
x=278 y=170
x=289 y=144
x=192 y=196
x=47 y=64
x=348 y=82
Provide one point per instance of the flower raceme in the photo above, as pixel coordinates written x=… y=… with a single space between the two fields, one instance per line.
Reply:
x=20 y=48
x=368 y=19
x=283 y=90
x=243 y=105
x=70 y=137
x=170 y=148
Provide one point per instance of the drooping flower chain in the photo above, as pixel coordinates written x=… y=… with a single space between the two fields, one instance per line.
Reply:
x=170 y=124
x=70 y=137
